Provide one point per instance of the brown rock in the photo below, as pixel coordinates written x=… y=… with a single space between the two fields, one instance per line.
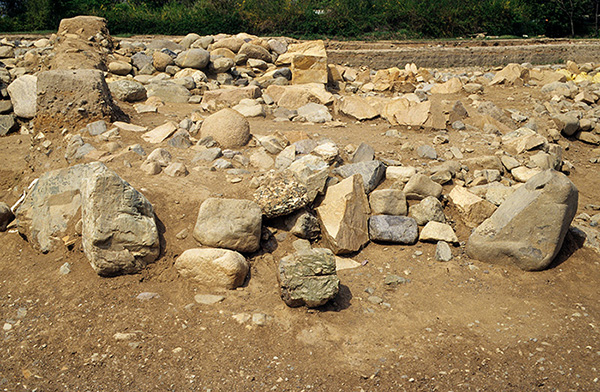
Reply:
x=228 y=128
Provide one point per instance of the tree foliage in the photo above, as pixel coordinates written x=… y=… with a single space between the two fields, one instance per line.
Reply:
x=333 y=18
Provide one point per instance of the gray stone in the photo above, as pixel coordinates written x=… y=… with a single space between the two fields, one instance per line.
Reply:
x=315 y=112
x=427 y=152
x=308 y=277
x=429 y=209
x=6 y=216
x=160 y=156
x=372 y=172
x=443 y=251
x=363 y=153
x=528 y=229
x=221 y=64
x=127 y=90
x=388 y=202
x=566 y=124
x=193 y=58
x=304 y=225
x=23 y=95
x=96 y=128
x=213 y=267
x=7 y=124
x=280 y=194
x=168 y=92
x=176 y=169
x=119 y=233
x=180 y=140
x=208 y=155
x=6 y=106
x=312 y=172
x=229 y=223
x=394 y=229
x=420 y=186
x=140 y=60
x=188 y=40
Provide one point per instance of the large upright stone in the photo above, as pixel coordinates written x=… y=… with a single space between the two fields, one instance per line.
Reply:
x=119 y=233
x=228 y=128
x=308 y=277
x=229 y=223
x=68 y=99
x=213 y=267
x=23 y=94
x=344 y=213
x=528 y=229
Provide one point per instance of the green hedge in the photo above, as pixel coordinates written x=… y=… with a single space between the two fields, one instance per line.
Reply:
x=306 y=18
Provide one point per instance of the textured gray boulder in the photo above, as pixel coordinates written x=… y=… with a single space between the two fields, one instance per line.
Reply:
x=119 y=233
x=528 y=229
x=50 y=206
x=308 y=277
x=127 y=90
x=395 y=229
x=229 y=223
x=372 y=173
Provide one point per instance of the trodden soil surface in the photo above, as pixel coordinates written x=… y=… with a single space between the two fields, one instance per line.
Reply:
x=462 y=325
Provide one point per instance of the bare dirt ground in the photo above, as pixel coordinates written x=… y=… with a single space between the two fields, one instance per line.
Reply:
x=456 y=326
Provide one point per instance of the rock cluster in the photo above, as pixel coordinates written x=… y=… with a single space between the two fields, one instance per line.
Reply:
x=517 y=200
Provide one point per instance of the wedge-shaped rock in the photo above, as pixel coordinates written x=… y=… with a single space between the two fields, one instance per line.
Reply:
x=119 y=233
x=473 y=208
x=528 y=229
x=308 y=277
x=344 y=214
x=229 y=223
x=213 y=267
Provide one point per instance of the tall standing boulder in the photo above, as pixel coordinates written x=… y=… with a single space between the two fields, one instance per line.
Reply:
x=344 y=214
x=119 y=229
x=229 y=223
x=529 y=228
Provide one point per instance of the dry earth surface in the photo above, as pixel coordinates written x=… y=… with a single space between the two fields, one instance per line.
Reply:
x=461 y=325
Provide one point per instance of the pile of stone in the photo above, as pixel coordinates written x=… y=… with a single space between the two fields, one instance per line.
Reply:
x=517 y=200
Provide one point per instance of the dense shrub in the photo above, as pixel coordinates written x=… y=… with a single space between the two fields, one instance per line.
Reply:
x=304 y=18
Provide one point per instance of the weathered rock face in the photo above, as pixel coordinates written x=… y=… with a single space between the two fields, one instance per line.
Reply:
x=308 y=277
x=429 y=209
x=394 y=229
x=528 y=229
x=420 y=186
x=119 y=233
x=229 y=223
x=344 y=214
x=213 y=267
x=309 y=62
x=23 y=94
x=388 y=202
x=68 y=99
x=50 y=206
x=228 y=128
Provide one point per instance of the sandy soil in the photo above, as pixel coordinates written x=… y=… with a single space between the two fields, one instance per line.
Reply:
x=456 y=326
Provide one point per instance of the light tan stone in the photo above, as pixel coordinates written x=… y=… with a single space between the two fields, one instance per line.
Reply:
x=344 y=214
x=473 y=208
x=213 y=267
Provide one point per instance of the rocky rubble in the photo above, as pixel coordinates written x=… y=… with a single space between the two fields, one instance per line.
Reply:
x=338 y=196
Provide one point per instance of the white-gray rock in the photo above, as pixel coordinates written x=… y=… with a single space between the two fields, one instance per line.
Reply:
x=23 y=94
